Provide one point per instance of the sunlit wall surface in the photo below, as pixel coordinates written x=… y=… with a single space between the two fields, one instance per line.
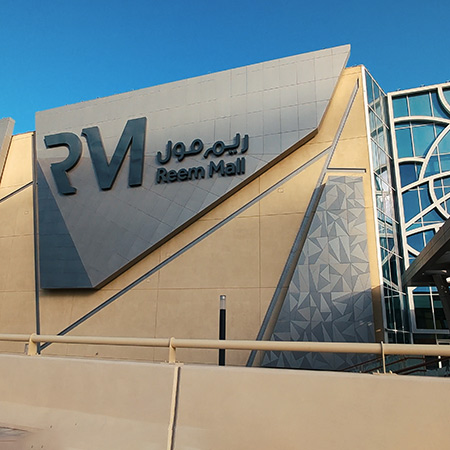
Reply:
x=394 y=301
x=421 y=144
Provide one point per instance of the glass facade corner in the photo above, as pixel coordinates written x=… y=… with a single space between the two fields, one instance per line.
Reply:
x=395 y=305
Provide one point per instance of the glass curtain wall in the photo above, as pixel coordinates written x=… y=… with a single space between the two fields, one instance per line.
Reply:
x=421 y=142
x=396 y=309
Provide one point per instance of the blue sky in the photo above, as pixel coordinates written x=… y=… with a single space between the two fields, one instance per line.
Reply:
x=58 y=52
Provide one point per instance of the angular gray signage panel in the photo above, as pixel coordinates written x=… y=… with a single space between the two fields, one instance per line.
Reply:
x=118 y=176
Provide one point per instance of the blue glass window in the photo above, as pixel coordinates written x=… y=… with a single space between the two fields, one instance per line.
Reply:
x=398 y=310
x=377 y=103
x=400 y=107
x=419 y=223
x=416 y=241
x=380 y=201
x=389 y=313
x=425 y=199
x=386 y=236
x=373 y=121
x=382 y=158
x=421 y=289
x=381 y=137
x=404 y=142
x=423 y=138
x=379 y=159
x=447 y=94
x=424 y=314
x=384 y=103
x=411 y=204
x=444 y=145
x=384 y=203
x=428 y=235
x=433 y=166
x=377 y=129
x=376 y=162
x=432 y=217
x=369 y=88
x=438 y=190
x=446 y=190
x=438 y=111
x=385 y=269
x=381 y=184
x=376 y=91
x=445 y=162
x=439 y=315
x=381 y=216
x=394 y=274
x=419 y=105
x=414 y=226
x=409 y=172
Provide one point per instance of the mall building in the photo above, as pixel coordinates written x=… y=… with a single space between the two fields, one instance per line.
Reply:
x=295 y=187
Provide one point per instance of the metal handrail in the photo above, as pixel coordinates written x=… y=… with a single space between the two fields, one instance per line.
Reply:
x=15 y=337
x=174 y=343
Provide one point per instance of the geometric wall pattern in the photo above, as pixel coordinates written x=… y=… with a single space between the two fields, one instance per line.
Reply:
x=329 y=298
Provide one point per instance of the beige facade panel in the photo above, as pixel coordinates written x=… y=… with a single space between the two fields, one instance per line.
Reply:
x=17 y=281
x=18 y=169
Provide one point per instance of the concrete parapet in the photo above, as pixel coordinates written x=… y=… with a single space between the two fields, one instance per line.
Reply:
x=90 y=404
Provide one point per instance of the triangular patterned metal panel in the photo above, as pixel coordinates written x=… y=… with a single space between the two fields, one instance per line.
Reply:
x=336 y=281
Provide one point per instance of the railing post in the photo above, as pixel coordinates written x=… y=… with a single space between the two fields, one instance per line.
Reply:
x=382 y=357
x=222 y=327
x=172 y=351
x=32 y=346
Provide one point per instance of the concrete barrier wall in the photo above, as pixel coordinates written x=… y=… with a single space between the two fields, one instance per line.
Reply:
x=91 y=404
x=84 y=404
x=286 y=409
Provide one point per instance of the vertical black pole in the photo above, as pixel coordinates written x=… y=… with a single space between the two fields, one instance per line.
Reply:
x=222 y=327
